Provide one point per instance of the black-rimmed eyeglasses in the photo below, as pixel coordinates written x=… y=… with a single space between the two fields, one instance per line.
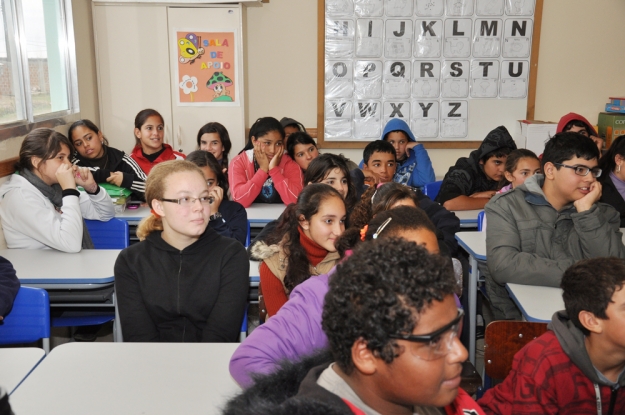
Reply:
x=582 y=170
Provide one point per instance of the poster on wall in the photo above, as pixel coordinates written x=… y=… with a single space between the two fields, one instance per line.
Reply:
x=206 y=68
x=434 y=63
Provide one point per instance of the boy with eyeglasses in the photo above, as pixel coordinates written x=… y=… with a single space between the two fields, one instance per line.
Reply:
x=392 y=325
x=554 y=219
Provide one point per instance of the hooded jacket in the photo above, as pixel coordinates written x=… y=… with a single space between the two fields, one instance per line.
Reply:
x=30 y=220
x=554 y=375
x=467 y=176
x=246 y=184
x=529 y=242
x=146 y=165
x=571 y=116
x=116 y=160
x=197 y=294
x=294 y=390
x=416 y=170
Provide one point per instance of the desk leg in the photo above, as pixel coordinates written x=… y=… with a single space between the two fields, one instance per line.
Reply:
x=472 y=287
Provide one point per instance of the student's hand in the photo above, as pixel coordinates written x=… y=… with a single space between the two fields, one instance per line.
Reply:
x=85 y=179
x=261 y=157
x=590 y=199
x=217 y=193
x=116 y=178
x=410 y=146
x=370 y=178
x=65 y=176
x=275 y=161
x=484 y=195
x=224 y=171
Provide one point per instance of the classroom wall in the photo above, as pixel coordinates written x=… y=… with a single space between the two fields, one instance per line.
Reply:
x=579 y=65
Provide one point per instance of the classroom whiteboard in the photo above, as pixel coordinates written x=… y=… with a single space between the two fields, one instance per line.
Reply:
x=452 y=69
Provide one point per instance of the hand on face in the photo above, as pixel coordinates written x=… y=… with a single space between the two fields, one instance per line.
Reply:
x=261 y=157
x=217 y=193
x=275 y=161
x=409 y=146
x=85 y=179
x=116 y=178
x=590 y=198
x=65 y=176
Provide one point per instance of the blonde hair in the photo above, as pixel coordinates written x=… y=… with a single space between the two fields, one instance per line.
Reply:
x=155 y=188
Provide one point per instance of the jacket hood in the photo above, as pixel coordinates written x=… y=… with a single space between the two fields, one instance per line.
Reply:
x=208 y=238
x=572 y=341
x=397 y=124
x=15 y=182
x=571 y=116
x=494 y=140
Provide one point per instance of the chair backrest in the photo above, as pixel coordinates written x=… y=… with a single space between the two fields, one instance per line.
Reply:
x=481 y=222
x=29 y=319
x=502 y=340
x=113 y=234
x=248 y=239
x=431 y=189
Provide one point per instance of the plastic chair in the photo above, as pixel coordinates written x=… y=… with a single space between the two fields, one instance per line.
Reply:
x=502 y=340
x=29 y=319
x=480 y=221
x=248 y=240
x=113 y=234
x=431 y=189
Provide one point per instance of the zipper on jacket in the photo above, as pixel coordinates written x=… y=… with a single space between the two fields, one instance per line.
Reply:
x=612 y=401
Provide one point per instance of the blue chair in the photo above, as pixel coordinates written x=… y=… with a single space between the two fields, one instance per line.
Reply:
x=113 y=234
x=248 y=241
x=243 y=334
x=431 y=189
x=29 y=320
x=480 y=221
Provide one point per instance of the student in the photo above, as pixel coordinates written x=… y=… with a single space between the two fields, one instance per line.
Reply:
x=330 y=169
x=261 y=172
x=520 y=165
x=577 y=367
x=40 y=206
x=107 y=164
x=183 y=282
x=414 y=167
x=149 y=148
x=302 y=149
x=302 y=245
x=9 y=286
x=378 y=164
x=390 y=195
x=291 y=126
x=575 y=123
x=392 y=325
x=295 y=331
x=612 y=178
x=472 y=181
x=551 y=221
x=214 y=138
x=228 y=218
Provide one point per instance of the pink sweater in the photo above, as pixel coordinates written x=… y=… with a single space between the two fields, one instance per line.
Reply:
x=245 y=184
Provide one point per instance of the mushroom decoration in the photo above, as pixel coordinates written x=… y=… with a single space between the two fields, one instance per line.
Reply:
x=218 y=83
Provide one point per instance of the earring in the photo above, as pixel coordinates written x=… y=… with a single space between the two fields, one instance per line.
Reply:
x=618 y=168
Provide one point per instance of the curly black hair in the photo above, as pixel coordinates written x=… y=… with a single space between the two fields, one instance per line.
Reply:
x=588 y=285
x=379 y=291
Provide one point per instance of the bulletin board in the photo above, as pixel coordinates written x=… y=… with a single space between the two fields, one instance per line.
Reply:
x=452 y=69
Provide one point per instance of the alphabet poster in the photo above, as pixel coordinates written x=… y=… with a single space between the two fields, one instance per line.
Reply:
x=433 y=63
x=206 y=68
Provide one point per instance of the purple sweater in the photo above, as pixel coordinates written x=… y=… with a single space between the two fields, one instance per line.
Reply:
x=294 y=332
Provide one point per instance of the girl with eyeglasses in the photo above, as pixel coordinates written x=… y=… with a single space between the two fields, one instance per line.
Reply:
x=228 y=218
x=183 y=282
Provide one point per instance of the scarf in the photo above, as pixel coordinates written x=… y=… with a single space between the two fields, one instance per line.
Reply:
x=54 y=194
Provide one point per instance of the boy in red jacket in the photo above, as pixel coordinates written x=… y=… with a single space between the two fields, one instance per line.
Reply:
x=578 y=366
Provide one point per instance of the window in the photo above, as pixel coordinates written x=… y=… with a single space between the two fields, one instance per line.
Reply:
x=37 y=61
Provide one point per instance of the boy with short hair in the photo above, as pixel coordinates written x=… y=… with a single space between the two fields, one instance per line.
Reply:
x=392 y=325
x=414 y=167
x=472 y=181
x=578 y=366
x=378 y=165
x=575 y=123
x=539 y=229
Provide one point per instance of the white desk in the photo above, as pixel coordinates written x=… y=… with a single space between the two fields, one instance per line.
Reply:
x=468 y=218
x=536 y=303
x=260 y=214
x=129 y=378
x=16 y=364
x=133 y=216
x=474 y=243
